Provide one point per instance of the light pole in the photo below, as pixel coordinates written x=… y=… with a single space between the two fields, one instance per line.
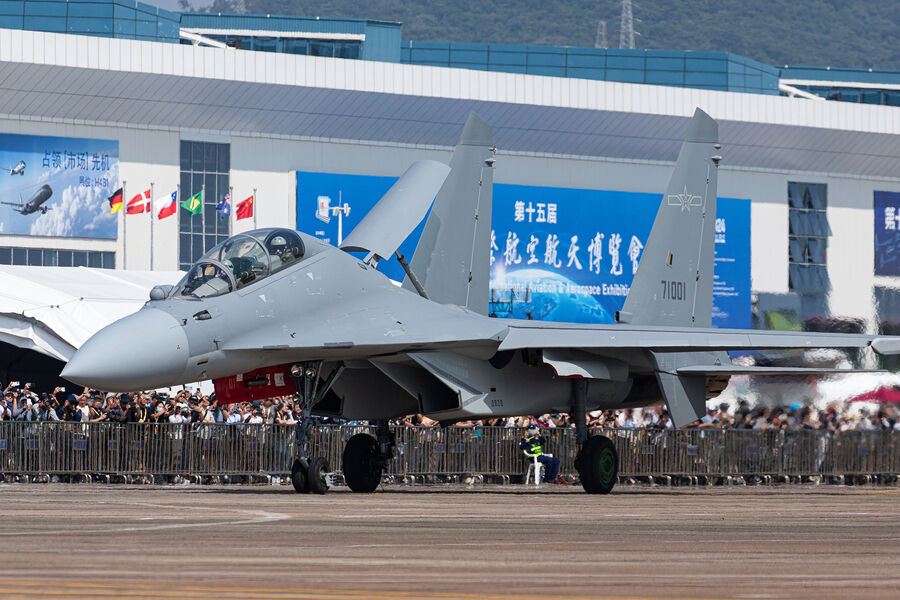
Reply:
x=340 y=211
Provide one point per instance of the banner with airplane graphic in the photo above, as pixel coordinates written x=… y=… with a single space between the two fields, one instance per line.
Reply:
x=557 y=254
x=56 y=186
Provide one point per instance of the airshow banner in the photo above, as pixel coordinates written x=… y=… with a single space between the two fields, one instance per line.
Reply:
x=54 y=186
x=887 y=233
x=557 y=254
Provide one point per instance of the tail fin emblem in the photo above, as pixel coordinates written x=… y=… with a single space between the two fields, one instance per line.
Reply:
x=685 y=200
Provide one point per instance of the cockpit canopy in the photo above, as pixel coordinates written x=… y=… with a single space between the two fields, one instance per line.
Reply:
x=241 y=260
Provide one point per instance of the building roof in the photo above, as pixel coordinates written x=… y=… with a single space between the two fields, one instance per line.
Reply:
x=67 y=78
x=260 y=109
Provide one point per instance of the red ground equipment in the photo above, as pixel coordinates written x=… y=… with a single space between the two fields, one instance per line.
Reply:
x=255 y=385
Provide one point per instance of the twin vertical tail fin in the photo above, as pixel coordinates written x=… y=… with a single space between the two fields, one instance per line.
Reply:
x=451 y=260
x=674 y=282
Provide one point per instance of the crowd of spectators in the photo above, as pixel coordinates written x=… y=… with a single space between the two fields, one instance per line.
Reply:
x=23 y=403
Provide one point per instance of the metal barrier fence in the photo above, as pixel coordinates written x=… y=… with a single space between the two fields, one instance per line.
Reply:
x=134 y=449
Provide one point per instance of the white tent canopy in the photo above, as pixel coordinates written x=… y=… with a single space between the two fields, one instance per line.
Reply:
x=54 y=310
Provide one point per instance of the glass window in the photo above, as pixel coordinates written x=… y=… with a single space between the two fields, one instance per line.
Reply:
x=35 y=257
x=79 y=259
x=809 y=229
x=207 y=171
x=196 y=156
x=292 y=46
x=50 y=258
x=94 y=260
x=265 y=44
x=246 y=258
x=204 y=280
x=224 y=159
x=109 y=260
x=185 y=158
x=321 y=48
x=797 y=250
x=5 y=256
x=284 y=247
x=346 y=49
x=64 y=258
x=19 y=256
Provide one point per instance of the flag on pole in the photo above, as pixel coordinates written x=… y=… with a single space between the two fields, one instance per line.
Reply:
x=224 y=206
x=115 y=201
x=166 y=205
x=139 y=204
x=244 y=209
x=194 y=204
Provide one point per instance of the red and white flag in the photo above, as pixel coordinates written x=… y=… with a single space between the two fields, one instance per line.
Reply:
x=167 y=205
x=139 y=204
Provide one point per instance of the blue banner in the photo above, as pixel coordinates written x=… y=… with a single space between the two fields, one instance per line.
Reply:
x=57 y=186
x=557 y=254
x=887 y=233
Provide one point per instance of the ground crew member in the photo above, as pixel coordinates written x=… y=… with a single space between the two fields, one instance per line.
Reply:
x=533 y=443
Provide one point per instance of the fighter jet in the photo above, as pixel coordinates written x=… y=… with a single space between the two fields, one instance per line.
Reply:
x=273 y=311
x=35 y=203
x=19 y=169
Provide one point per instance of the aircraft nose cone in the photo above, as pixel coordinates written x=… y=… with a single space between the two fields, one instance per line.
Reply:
x=148 y=349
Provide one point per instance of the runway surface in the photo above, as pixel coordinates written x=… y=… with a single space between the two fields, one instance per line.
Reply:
x=500 y=543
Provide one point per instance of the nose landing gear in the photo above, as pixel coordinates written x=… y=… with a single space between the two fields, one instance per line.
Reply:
x=310 y=474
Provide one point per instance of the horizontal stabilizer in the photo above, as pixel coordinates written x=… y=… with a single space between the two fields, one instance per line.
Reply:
x=399 y=211
x=736 y=370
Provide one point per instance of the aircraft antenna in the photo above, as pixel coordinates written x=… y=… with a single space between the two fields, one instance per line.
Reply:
x=626 y=26
x=600 y=41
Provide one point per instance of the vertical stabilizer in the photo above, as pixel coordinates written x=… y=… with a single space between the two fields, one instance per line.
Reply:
x=452 y=259
x=674 y=281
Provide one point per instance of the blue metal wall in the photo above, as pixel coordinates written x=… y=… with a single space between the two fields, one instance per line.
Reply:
x=103 y=18
x=705 y=70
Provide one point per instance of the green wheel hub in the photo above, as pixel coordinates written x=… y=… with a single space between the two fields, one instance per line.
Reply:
x=606 y=465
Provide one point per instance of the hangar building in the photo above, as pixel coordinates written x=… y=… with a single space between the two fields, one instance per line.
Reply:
x=307 y=115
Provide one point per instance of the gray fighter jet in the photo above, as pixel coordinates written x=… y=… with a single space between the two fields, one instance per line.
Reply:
x=35 y=203
x=276 y=304
x=19 y=169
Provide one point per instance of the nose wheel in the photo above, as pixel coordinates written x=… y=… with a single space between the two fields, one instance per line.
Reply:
x=310 y=473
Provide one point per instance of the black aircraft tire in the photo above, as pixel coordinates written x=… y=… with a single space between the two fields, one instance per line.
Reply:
x=358 y=460
x=299 y=476
x=318 y=466
x=598 y=465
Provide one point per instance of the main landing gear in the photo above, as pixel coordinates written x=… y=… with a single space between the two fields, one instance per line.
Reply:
x=365 y=456
x=597 y=462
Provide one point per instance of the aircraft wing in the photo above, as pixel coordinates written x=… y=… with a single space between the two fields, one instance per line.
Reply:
x=539 y=334
x=16 y=204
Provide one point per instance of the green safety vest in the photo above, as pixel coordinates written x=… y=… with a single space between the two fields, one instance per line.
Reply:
x=535 y=447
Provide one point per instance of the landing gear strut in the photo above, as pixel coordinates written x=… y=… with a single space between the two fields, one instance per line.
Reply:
x=597 y=461
x=365 y=458
x=310 y=474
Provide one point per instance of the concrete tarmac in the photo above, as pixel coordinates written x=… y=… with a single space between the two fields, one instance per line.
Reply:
x=500 y=543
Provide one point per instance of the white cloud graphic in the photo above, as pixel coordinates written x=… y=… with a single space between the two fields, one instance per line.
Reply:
x=81 y=211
